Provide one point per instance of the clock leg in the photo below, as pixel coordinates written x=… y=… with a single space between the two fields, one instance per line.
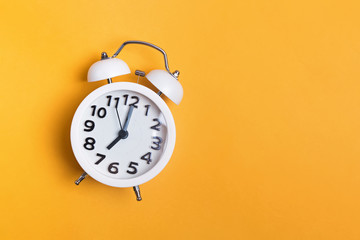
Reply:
x=137 y=193
x=82 y=177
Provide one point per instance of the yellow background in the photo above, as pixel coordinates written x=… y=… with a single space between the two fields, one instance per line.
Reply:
x=267 y=134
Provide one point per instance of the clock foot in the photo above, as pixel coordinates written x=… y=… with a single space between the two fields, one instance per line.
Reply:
x=137 y=193
x=82 y=177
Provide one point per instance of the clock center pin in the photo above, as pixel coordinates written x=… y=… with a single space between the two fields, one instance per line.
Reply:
x=123 y=134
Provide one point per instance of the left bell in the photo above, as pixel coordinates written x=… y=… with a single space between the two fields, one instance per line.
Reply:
x=107 y=68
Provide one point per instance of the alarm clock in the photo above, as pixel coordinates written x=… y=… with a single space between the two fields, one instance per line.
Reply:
x=123 y=133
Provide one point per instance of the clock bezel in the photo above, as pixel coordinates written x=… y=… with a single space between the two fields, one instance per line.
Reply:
x=77 y=143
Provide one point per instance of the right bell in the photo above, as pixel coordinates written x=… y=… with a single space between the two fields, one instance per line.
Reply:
x=167 y=83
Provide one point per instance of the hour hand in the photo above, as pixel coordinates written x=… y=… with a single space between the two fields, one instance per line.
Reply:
x=122 y=135
x=114 y=142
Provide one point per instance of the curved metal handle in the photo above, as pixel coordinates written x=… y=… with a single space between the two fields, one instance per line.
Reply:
x=147 y=44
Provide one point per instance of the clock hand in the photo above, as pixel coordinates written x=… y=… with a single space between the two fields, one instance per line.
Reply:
x=115 y=141
x=128 y=117
x=123 y=132
x=122 y=135
x=118 y=117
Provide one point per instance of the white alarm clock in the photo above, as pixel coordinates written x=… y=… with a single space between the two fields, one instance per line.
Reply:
x=123 y=134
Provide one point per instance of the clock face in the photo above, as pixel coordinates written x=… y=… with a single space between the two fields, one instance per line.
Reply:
x=121 y=134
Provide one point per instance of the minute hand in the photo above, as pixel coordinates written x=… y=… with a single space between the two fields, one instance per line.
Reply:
x=127 y=120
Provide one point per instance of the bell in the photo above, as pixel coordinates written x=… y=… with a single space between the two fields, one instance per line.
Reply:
x=107 y=68
x=167 y=83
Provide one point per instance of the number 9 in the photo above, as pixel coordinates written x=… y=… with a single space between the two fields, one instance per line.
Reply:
x=89 y=126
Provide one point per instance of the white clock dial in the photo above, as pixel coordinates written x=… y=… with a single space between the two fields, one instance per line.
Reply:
x=123 y=134
x=142 y=144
